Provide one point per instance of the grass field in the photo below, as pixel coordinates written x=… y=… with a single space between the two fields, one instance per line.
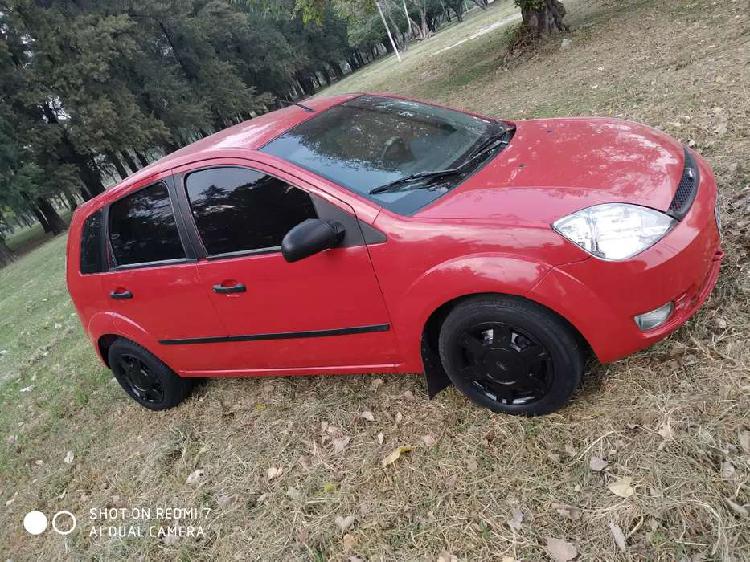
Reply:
x=674 y=420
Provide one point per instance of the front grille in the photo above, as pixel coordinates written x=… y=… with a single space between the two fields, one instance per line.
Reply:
x=686 y=190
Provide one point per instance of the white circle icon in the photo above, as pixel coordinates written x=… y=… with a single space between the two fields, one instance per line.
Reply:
x=72 y=522
x=35 y=522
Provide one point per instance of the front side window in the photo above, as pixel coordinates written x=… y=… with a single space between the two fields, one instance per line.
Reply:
x=142 y=228
x=91 y=247
x=370 y=141
x=241 y=210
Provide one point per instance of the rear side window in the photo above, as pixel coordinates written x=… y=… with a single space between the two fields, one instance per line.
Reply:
x=91 y=245
x=142 y=228
x=237 y=209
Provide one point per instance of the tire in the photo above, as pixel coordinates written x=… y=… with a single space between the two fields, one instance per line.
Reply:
x=145 y=378
x=511 y=355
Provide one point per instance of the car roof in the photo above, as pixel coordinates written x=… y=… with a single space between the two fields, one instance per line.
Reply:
x=251 y=135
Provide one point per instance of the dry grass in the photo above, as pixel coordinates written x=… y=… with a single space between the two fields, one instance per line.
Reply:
x=670 y=418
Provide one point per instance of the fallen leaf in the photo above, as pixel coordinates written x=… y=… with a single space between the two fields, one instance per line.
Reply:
x=727 y=470
x=399 y=417
x=597 y=464
x=429 y=440
x=340 y=444
x=39 y=462
x=516 y=520
x=367 y=414
x=68 y=457
x=274 y=472
x=380 y=438
x=666 y=431
x=26 y=389
x=11 y=500
x=738 y=509
x=349 y=542
x=343 y=523
x=745 y=441
x=560 y=550
x=567 y=511
x=194 y=477
x=394 y=455
x=618 y=535
x=408 y=394
x=622 y=487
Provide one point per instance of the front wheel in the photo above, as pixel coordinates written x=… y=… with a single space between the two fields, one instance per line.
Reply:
x=511 y=355
x=145 y=378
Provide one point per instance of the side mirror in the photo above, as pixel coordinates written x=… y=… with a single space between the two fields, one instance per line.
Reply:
x=310 y=237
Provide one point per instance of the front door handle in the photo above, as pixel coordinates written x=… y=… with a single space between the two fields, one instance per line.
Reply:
x=229 y=289
x=121 y=294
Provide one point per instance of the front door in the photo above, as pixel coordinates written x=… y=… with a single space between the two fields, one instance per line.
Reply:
x=323 y=313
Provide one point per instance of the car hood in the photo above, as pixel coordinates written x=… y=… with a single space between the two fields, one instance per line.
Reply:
x=553 y=167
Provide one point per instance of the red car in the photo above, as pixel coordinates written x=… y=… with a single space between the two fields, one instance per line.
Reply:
x=368 y=233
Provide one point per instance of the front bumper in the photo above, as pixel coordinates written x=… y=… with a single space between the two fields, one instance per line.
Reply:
x=601 y=298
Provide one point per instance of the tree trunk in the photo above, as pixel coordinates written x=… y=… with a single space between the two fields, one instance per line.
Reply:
x=141 y=158
x=129 y=162
x=408 y=19
x=6 y=254
x=424 y=29
x=56 y=224
x=388 y=30
x=545 y=17
x=87 y=169
x=37 y=213
x=70 y=199
x=115 y=160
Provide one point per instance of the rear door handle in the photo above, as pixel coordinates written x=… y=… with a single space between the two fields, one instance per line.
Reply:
x=121 y=294
x=228 y=289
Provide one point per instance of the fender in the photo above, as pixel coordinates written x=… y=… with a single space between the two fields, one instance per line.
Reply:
x=490 y=272
x=112 y=323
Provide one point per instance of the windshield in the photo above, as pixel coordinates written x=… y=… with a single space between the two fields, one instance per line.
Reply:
x=371 y=141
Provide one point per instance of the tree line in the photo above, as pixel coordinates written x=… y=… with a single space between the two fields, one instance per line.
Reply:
x=93 y=90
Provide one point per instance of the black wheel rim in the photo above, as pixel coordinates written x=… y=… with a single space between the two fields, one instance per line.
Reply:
x=139 y=380
x=504 y=364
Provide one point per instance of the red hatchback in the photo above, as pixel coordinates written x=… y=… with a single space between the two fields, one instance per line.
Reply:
x=366 y=233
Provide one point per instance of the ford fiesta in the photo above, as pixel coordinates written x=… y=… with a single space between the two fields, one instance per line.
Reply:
x=366 y=233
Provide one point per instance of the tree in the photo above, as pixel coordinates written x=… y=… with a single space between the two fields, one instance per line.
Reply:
x=541 y=17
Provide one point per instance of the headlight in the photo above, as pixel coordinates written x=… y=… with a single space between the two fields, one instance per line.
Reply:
x=615 y=231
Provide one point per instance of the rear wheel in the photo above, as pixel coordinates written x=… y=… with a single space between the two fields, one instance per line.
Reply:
x=145 y=378
x=511 y=355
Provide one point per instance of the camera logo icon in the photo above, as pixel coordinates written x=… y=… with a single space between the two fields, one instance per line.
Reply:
x=63 y=522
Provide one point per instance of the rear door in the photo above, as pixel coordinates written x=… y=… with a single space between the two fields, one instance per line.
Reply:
x=325 y=312
x=152 y=282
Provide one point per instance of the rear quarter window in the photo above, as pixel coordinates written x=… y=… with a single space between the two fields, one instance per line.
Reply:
x=142 y=228
x=92 y=259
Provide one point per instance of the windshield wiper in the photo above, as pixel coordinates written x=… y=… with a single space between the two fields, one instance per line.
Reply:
x=395 y=185
x=490 y=143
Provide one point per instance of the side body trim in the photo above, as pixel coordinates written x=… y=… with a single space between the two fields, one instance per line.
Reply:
x=281 y=335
